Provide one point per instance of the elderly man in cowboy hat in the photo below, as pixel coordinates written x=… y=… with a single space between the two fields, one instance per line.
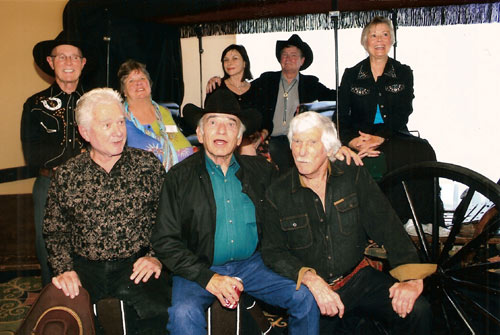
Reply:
x=281 y=92
x=48 y=130
x=209 y=222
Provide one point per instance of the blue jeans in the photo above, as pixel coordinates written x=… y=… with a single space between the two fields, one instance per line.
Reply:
x=40 y=190
x=190 y=300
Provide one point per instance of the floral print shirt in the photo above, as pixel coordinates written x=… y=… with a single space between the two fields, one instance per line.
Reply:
x=99 y=215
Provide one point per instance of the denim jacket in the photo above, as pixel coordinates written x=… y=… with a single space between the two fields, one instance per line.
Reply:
x=299 y=233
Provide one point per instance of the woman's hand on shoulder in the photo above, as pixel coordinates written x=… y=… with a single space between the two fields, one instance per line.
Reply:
x=347 y=154
x=213 y=83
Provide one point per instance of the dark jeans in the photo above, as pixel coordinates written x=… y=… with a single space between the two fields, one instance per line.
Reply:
x=281 y=155
x=366 y=295
x=146 y=304
x=40 y=190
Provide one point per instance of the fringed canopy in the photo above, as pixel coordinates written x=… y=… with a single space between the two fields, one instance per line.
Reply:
x=418 y=16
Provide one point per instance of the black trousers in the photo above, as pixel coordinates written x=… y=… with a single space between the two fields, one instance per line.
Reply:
x=366 y=297
x=146 y=304
x=402 y=150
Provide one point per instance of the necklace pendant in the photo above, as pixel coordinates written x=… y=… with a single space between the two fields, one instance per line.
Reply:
x=284 y=123
x=285 y=95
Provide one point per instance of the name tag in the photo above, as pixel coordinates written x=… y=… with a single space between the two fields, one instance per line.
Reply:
x=171 y=129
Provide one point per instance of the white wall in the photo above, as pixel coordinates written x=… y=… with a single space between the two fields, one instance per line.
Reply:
x=457 y=83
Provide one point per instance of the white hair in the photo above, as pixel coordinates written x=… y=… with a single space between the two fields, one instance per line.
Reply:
x=309 y=120
x=201 y=122
x=85 y=105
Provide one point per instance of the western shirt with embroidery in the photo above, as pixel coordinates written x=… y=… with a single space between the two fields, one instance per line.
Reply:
x=49 y=133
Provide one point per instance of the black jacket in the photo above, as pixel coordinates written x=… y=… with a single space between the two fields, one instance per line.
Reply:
x=299 y=233
x=268 y=84
x=359 y=95
x=183 y=237
x=49 y=133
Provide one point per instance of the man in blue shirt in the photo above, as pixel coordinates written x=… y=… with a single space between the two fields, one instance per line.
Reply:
x=209 y=222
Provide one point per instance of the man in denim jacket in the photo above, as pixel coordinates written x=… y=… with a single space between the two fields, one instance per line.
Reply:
x=319 y=218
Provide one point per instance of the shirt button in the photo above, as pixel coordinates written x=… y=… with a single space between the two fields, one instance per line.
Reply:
x=228 y=201
x=225 y=180
x=381 y=106
x=331 y=274
x=232 y=241
x=316 y=200
x=294 y=225
x=329 y=257
x=321 y=220
x=326 y=237
x=230 y=221
x=69 y=140
x=379 y=94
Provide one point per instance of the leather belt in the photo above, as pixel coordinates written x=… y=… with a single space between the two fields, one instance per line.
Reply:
x=342 y=280
x=46 y=172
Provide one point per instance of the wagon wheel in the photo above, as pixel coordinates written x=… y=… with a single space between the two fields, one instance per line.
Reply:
x=465 y=290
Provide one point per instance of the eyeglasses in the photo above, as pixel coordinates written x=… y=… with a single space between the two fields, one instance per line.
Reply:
x=62 y=58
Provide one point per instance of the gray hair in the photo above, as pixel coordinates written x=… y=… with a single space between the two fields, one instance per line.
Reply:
x=377 y=20
x=85 y=105
x=201 y=123
x=308 y=120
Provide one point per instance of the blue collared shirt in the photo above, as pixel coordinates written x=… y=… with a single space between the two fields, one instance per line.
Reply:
x=236 y=234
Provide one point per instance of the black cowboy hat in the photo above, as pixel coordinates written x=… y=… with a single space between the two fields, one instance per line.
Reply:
x=296 y=41
x=44 y=48
x=223 y=101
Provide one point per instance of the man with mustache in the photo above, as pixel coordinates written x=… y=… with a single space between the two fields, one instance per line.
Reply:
x=319 y=218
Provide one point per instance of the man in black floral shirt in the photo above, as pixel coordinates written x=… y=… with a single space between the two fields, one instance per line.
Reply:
x=100 y=211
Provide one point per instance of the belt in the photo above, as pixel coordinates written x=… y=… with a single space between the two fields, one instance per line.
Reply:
x=342 y=280
x=46 y=172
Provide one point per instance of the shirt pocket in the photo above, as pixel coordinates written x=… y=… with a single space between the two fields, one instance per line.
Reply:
x=298 y=231
x=348 y=214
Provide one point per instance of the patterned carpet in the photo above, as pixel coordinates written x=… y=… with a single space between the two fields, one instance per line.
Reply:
x=16 y=297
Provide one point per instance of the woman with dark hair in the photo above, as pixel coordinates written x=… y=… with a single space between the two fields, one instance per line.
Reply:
x=149 y=126
x=236 y=67
x=375 y=102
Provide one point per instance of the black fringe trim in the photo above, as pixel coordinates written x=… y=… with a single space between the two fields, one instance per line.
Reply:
x=420 y=16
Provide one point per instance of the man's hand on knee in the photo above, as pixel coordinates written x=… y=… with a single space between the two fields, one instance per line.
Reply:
x=144 y=268
x=329 y=302
x=69 y=282
x=223 y=288
x=404 y=295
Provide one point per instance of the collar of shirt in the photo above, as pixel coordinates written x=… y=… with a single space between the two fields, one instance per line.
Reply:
x=213 y=168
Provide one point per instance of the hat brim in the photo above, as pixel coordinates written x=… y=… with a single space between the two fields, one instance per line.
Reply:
x=250 y=117
x=44 y=48
x=307 y=52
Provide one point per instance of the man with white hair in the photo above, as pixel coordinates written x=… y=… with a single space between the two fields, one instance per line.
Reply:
x=100 y=212
x=319 y=217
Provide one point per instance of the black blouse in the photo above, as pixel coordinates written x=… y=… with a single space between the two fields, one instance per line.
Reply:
x=359 y=95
